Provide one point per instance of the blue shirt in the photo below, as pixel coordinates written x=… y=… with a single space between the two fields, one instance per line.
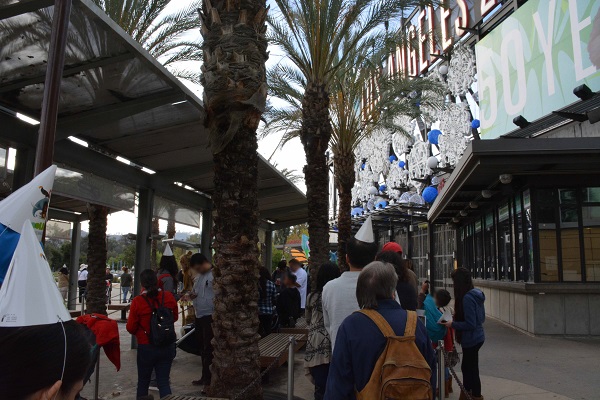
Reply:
x=359 y=344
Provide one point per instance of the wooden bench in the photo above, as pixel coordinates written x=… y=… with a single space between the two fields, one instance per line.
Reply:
x=275 y=347
x=301 y=327
x=120 y=307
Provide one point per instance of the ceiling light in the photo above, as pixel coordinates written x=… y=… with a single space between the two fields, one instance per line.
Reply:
x=506 y=178
x=473 y=204
x=27 y=119
x=464 y=213
x=486 y=194
x=455 y=220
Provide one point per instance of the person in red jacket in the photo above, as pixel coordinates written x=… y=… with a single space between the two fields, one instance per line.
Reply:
x=149 y=357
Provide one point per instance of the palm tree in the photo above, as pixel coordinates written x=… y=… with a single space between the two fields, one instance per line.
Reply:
x=168 y=37
x=318 y=37
x=235 y=92
x=96 y=259
x=352 y=119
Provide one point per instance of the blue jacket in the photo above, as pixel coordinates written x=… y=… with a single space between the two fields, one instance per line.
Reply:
x=359 y=344
x=432 y=315
x=472 y=326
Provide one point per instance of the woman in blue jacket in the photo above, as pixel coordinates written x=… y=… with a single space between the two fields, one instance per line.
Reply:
x=468 y=323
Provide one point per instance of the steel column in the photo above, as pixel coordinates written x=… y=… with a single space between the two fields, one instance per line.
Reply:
x=206 y=234
x=56 y=62
x=24 y=165
x=73 y=268
x=269 y=249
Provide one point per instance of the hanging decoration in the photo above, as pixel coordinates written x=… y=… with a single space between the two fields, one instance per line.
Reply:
x=429 y=194
x=462 y=71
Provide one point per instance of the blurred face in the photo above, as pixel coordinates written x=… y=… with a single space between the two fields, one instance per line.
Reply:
x=294 y=266
x=425 y=287
x=202 y=268
x=108 y=270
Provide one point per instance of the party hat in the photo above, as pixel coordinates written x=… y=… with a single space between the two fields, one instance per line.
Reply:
x=365 y=233
x=29 y=295
x=168 y=251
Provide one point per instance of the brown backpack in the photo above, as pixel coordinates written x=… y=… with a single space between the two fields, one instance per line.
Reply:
x=401 y=372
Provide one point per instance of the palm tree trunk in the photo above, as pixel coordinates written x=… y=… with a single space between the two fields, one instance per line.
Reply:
x=344 y=173
x=96 y=257
x=171 y=224
x=315 y=135
x=154 y=245
x=234 y=80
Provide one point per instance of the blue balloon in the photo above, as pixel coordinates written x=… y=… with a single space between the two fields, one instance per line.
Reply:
x=475 y=124
x=363 y=166
x=393 y=158
x=382 y=188
x=429 y=194
x=433 y=136
x=381 y=204
x=401 y=164
x=356 y=211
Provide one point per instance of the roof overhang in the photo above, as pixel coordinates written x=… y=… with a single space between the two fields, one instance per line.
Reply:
x=485 y=160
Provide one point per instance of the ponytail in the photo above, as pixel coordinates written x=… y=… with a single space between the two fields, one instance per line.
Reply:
x=149 y=282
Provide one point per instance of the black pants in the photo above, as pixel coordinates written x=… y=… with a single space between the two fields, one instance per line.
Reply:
x=319 y=374
x=470 y=369
x=266 y=321
x=82 y=288
x=204 y=334
x=150 y=359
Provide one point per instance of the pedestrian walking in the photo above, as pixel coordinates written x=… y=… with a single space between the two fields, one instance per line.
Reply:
x=126 y=282
x=82 y=277
x=468 y=324
x=63 y=282
x=203 y=298
x=318 y=346
x=266 y=301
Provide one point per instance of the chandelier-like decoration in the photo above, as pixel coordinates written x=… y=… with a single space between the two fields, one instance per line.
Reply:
x=462 y=71
x=455 y=119
x=417 y=161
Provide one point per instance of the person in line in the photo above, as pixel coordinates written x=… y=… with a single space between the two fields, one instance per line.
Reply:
x=126 y=283
x=167 y=272
x=109 y=281
x=63 y=282
x=203 y=299
x=360 y=342
x=288 y=303
x=82 y=276
x=150 y=357
x=423 y=294
x=266 y=301
x=468 y=324
x=339 y=298
x=434 y=307
x=301 y=280
x=318 y=346
x=407 y=264
x=278 y=274
x=404 y=288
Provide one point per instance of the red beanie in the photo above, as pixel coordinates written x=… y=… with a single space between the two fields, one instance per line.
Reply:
x=392 y=246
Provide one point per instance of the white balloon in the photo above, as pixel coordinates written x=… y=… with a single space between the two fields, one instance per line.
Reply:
x=373 y=190
x=443 y=69
x=432 y=162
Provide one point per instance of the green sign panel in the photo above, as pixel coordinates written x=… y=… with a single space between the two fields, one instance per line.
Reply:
x=530 y=64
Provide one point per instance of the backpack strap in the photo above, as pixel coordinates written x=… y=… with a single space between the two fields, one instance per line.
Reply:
x=381 y=323
x=411 y=323
x=152 y=308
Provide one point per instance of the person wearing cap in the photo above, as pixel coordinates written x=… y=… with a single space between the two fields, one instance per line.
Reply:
x=407 y=264
x=45 y=354
x=301 y=280
x=339 y=295
x=82 y=276
x=288 y=304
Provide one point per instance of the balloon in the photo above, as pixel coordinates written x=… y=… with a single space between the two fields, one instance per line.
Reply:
x=443 y=69
x=433 y=136
x=362 y=166
x=429 y=194
x=382 y=188
x=393 y=158
x=475 y=124
x=381 y=204
x=432 y=162
x=401 y=164
x=372 y=190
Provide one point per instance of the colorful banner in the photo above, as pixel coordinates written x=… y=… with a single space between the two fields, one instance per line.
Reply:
x=530 y=64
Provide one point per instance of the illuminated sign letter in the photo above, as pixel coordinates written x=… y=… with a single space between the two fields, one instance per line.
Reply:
x=445 y=14
x=423 y=58
x=546 y=42
x=576 y=27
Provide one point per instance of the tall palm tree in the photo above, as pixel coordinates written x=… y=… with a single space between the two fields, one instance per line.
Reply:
x=168 y=37
x=352 y=119
x=235 y=92
x=318 y=37
x=96 y=259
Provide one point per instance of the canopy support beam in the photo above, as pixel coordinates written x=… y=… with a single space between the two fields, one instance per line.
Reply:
x=75 y=252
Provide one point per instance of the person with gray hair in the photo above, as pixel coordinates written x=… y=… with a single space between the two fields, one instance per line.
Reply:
x=360 y=342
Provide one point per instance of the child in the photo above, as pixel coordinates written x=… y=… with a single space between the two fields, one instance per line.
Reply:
x=441 y=300
x=288 y=304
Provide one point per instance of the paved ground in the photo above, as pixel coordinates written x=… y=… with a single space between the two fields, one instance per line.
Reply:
x=514 y=366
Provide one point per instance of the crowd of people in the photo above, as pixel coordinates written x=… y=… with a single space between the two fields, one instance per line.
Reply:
x=359 y=323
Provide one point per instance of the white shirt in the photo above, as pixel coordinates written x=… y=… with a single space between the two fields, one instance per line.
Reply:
x=302 y=280
x=82 y=276
x=339 y=301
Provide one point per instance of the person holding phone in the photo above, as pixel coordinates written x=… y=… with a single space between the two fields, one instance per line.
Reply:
x=203 y=299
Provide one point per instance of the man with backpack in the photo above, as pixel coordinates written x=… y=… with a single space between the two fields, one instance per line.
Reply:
x=381 y=334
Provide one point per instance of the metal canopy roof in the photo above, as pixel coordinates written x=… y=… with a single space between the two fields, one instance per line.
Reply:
x=121 y=101
x=561 y=159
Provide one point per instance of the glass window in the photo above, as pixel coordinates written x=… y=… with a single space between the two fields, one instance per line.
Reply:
x=490 y=247
x=478 y=250
x=591 y=195
x=546 y=215
x=591 y=242
x=504 y=243
x=519 y=259
x=529 y=276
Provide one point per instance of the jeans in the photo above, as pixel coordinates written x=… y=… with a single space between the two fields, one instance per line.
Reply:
x=204 y=334
x=470 y=369
x=158 y=359
x=319 y=374
x=82 y=289
x=125 y=290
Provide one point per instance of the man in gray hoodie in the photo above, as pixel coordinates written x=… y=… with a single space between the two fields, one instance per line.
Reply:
x=203 y=300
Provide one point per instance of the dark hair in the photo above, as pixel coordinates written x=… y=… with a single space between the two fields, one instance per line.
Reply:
x=360 y=253
x=443 y=297
x=290 y=275
x=463 y=283
x=395 y=259
x=282 y=264
x=64 y=271
x=169 y=264
x=198 y=259
x=377 y=281
x=294 y=261
x=39 y=352
x=264 y=277
x=149 y=281
x=327 y=272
